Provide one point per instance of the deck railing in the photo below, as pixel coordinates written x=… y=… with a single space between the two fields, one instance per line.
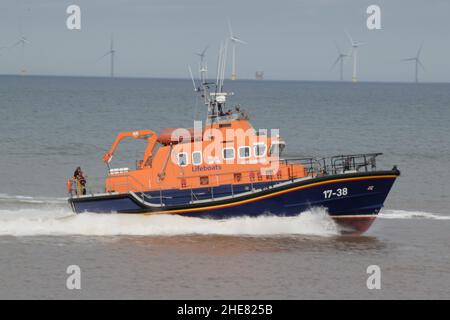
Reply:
x=313 y=167
x=346 y=163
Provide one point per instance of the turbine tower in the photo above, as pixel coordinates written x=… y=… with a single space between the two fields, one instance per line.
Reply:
x=111 y=52
x=234 y=41
x=418 y=63
x=355 y=45
x=340 y=60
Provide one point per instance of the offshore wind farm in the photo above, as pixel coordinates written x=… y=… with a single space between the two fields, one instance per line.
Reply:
x=233 y=41
x=354 y=57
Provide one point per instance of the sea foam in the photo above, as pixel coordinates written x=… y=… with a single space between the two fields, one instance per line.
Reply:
x=31 y=216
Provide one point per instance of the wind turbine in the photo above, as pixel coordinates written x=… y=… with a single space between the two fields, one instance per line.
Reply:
x=111 y=52
x=234 y=41
x=340 y=60
x=418 y=63
x=22 y=41
x=202 y=54
x=355 y=45
x=203 y=69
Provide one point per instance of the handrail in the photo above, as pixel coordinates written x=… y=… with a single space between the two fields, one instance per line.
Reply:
x=336 y=164
x=313 y=167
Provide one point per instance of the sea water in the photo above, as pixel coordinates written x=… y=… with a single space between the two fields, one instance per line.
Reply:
x=51 y=125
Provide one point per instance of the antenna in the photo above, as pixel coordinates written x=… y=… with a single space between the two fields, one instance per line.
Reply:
x=224 y=62
x=192 y=78
x=215 y=101
x=219 y=64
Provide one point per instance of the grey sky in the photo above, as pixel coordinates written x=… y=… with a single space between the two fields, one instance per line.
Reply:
x=287 y=39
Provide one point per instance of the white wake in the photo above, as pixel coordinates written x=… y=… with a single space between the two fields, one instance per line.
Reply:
x=31 y=216
x=402 y=214
x=18 y=199
x=30 y=222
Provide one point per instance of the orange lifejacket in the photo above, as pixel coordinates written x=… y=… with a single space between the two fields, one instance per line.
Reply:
x=69 y=185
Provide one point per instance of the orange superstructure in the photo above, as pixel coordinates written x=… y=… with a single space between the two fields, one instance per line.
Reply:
x=228 y=151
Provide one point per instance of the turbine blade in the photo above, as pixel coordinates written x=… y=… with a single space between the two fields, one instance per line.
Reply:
x=229 y=28
x=15 y=44
x=203 y=53
x=419 y=51
x=204 y=50
x=336 y=62
x=238 y=40
x=349 y=38
x=420 y=64
x=106 y=54
x=337 y=47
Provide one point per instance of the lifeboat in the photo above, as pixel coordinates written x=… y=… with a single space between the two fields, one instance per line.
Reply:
x=225 y=168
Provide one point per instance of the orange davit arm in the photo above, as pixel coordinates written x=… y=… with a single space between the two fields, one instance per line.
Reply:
x=141 y=134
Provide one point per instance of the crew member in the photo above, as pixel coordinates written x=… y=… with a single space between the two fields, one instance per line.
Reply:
x=80 y=180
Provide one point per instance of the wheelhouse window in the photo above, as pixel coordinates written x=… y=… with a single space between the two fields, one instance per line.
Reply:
x=276 y=149
x=228 y=154
x=244 y=152
x=260 y=150
x=182 y=159
x=197 y=158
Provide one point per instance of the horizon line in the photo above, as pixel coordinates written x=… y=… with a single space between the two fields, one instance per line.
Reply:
x=228 y=80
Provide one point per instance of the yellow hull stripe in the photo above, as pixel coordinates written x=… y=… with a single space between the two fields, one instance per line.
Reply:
x=268 y=195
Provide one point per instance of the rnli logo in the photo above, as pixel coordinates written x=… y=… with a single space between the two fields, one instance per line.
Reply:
x=206 y=168
x=370 y=188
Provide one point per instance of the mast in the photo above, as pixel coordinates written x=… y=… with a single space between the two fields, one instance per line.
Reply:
x=214 y=101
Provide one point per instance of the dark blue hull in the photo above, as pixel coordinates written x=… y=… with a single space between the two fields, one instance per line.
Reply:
x=353 y=200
